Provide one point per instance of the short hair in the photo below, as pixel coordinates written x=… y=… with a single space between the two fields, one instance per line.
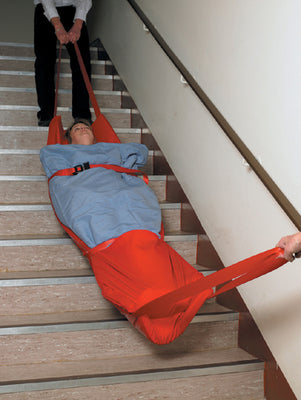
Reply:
x=76 y=121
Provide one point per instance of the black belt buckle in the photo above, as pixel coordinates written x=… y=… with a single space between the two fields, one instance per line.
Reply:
x=81 y=167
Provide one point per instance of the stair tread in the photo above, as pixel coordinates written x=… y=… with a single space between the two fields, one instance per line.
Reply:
x=169 y=236
x=54 y=368
x=63 y=300
x=174 y=385
x=109 y=313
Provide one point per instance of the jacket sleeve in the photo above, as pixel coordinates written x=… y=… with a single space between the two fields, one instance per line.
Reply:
x=82 y=8
x=50 y=10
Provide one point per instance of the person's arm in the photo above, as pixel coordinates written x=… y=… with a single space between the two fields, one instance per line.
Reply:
x=50 y=10
x=82 y=8
x=60 y=31
x=291 y=245
x=75 y=31
x=52 y=15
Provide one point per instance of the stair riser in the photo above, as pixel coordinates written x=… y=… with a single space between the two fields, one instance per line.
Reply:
x=65 y=257
x=21 y=118
x=42 y=258
x=25 y=81
x=30 y=165
x=28 y=51
x=248 y=385
x=61 y=303
x=37 y=139
x=64 y=99
x=28 y=65
x=17 y=192
x=81 y=352
x=30 y=223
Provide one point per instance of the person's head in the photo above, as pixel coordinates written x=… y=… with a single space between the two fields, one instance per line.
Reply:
x=80 y=132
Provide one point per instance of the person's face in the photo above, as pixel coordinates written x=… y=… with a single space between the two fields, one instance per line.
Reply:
x=82 y=134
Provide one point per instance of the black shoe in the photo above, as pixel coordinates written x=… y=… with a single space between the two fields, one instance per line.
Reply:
x=44 y=122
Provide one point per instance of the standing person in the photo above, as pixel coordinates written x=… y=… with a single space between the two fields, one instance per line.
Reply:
x=61 y=20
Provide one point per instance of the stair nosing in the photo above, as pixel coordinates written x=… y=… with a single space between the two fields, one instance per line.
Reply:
x=22 y=282
x=102 y=325
x=48 y=207
x=21 y=128
x=12 y=107
x=44 y=178
x=217 y=369
x=181 y=237
x=63 y=60
x=62 y=75
x=60 y=91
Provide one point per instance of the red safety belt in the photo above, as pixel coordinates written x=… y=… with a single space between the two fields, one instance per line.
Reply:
x=82 y=167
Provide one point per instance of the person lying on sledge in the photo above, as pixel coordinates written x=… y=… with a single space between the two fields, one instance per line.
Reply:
x=99 y=204
x=115 y=219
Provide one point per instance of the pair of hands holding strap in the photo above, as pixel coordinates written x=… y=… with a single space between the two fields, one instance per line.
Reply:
x=65 y=37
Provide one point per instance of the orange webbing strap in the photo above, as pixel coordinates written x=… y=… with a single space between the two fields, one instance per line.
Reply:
x=79 y=168
x=87 y=81
x=57 y=79
x=102 y=129
x=234 y=275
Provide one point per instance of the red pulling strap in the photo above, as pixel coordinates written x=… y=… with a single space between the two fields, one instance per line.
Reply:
x=87 y=81
x=233 y=276
x=79 y=168
x=85 y=77
x=57 y=80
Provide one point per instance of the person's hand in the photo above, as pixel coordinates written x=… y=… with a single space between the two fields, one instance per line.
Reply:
x=62 y=35
x=291 y=245
x=59 y=29
x=75 y=31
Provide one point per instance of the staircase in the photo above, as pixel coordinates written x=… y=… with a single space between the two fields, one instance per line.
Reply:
x=59 y=339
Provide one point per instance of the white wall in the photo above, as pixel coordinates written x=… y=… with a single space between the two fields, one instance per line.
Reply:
x=246 y=56
x=233 y=52
x=16 y=21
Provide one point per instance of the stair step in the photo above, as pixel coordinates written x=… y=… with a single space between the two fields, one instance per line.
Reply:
x=34 y=137
x=69 y=300
x=27 y=162
x=16 y=49
x=26 y=50
x=19 y=96
x=34 y=277
x=79 y=350
x=214 y=383
x=52 y=254
x=27 y=220
x=21 y=63
x=27 y=115
x=34 y=189
x=25 y=79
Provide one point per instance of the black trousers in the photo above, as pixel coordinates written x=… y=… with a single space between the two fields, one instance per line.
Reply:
x=45 y=42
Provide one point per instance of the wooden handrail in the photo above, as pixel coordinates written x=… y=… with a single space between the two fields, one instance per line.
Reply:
x=278 y=195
